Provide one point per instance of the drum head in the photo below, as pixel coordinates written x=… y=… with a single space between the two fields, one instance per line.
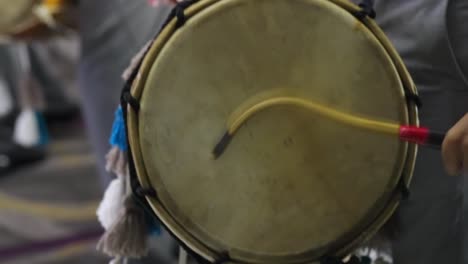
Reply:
x=292 y=186
x=14 y=13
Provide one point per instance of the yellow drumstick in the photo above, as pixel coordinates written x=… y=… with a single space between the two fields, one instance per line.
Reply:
x=419 y=135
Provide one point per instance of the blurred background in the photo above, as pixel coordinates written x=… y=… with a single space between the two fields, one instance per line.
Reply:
x=60 y=77
x=61 y=65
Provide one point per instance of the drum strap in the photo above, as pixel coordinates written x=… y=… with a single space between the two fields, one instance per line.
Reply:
x=413 y=98
x=178 y=12
x=130 y=100
x=403 y=189
x=367 y=10
x=223 y=258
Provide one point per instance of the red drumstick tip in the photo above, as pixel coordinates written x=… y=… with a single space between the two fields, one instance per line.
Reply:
x=418 y=135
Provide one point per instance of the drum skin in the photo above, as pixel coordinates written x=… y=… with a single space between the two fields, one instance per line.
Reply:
x=292 y=186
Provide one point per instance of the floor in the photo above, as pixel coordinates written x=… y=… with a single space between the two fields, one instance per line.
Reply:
x=67 y=178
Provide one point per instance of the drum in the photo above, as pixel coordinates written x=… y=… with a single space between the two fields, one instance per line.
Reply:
x=33 y=19
x=291 y=186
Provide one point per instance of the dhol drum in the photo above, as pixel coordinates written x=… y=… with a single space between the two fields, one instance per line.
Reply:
x=292 y=186
x=34 y=19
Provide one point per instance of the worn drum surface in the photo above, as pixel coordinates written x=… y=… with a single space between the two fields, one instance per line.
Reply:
x=293 y=186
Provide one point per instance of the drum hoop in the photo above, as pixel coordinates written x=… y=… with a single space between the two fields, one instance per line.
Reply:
x=184 y=236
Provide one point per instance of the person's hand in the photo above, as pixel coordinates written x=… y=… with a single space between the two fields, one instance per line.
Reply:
x=455 y=148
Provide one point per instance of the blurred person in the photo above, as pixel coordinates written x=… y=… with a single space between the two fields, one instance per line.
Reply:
x=54 y=63
x=431 y=37
x=22 y=132
x=111 y=33
x=37 y=80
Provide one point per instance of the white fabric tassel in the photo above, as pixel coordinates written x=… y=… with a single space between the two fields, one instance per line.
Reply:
x=111 y=204
x=27 y=131
x=113 y=200
x=127 y=236
x=121 y=215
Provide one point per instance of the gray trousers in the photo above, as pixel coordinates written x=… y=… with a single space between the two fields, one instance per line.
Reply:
x=112 y=32
x=431 y=36
x=51 y=66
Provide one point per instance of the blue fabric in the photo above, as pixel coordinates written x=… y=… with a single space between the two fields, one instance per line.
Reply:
x=119 y=134
x=154 y=228
x=43 y=131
